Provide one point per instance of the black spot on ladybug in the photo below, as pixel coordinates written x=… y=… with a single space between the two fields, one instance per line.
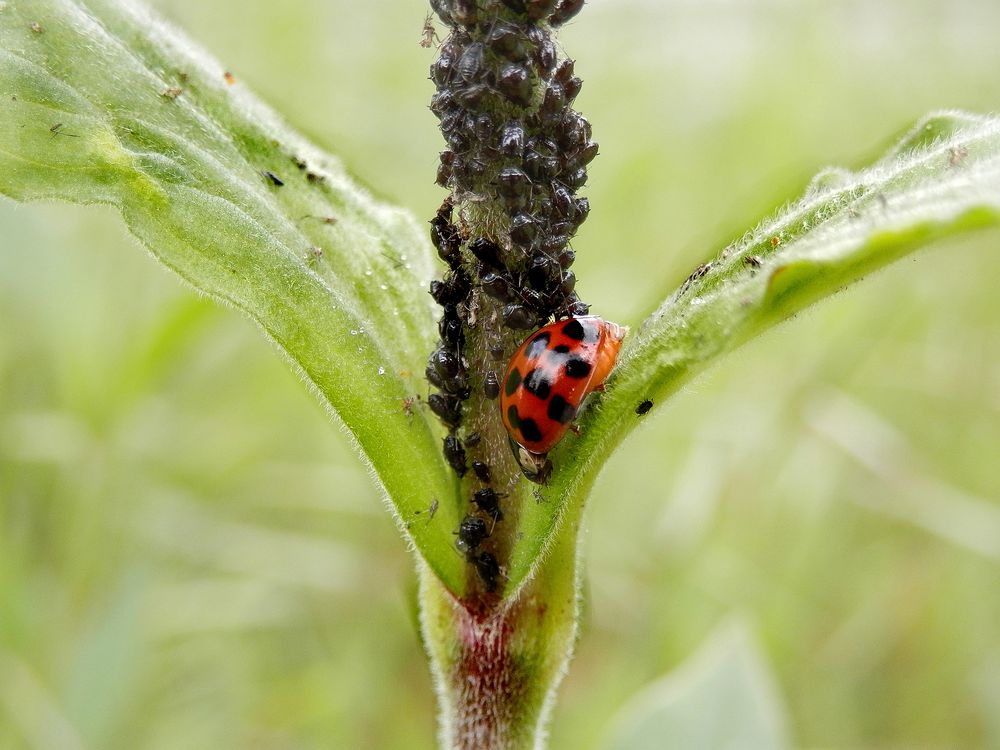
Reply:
x=513 y=381
x=513 y=417
x=560 y=410
x=529 y=428
x=538 y=345
x=574 y=330
x=488 y=569
x=538 y=383
x=577 y=368
x=561 y=349
x=644 y=407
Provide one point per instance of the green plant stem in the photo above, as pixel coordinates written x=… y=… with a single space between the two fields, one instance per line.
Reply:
x=496 y=671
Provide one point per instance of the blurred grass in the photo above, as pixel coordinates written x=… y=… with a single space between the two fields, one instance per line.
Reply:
x=188 y=550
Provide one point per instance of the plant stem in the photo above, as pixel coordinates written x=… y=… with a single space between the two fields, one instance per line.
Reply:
x=517 y=153
x=496 y=671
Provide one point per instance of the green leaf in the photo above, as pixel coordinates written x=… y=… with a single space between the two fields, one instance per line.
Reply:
x=722 y=698
x=100 y=102
x=942 y=179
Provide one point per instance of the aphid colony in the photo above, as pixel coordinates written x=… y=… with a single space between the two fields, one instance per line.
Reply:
x=503 y=100
x=516 y=147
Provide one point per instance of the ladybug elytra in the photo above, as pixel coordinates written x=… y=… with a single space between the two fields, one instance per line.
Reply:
x=551 y=374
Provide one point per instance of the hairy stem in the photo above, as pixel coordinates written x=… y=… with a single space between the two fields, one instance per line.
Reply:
x=496 y=671
x=516 y=154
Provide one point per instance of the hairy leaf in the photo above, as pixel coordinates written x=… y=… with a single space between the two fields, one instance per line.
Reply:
x=100 y=102
x=943 y=178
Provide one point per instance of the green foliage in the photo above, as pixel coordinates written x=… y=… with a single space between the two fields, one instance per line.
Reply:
x=105 y=104
x=335 y=279
x=859 y=598
x=724 y=697
x=942 y=179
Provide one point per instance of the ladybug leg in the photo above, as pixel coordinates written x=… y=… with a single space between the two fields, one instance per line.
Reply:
x=600 y=388
x=575 y=429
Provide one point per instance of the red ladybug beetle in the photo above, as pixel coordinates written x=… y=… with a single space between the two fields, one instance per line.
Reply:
x=547 y=380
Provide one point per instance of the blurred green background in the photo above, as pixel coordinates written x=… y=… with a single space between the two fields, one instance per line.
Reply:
x=192 y=557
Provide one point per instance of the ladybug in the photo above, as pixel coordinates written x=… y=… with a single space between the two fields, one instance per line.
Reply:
x=547 y=380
